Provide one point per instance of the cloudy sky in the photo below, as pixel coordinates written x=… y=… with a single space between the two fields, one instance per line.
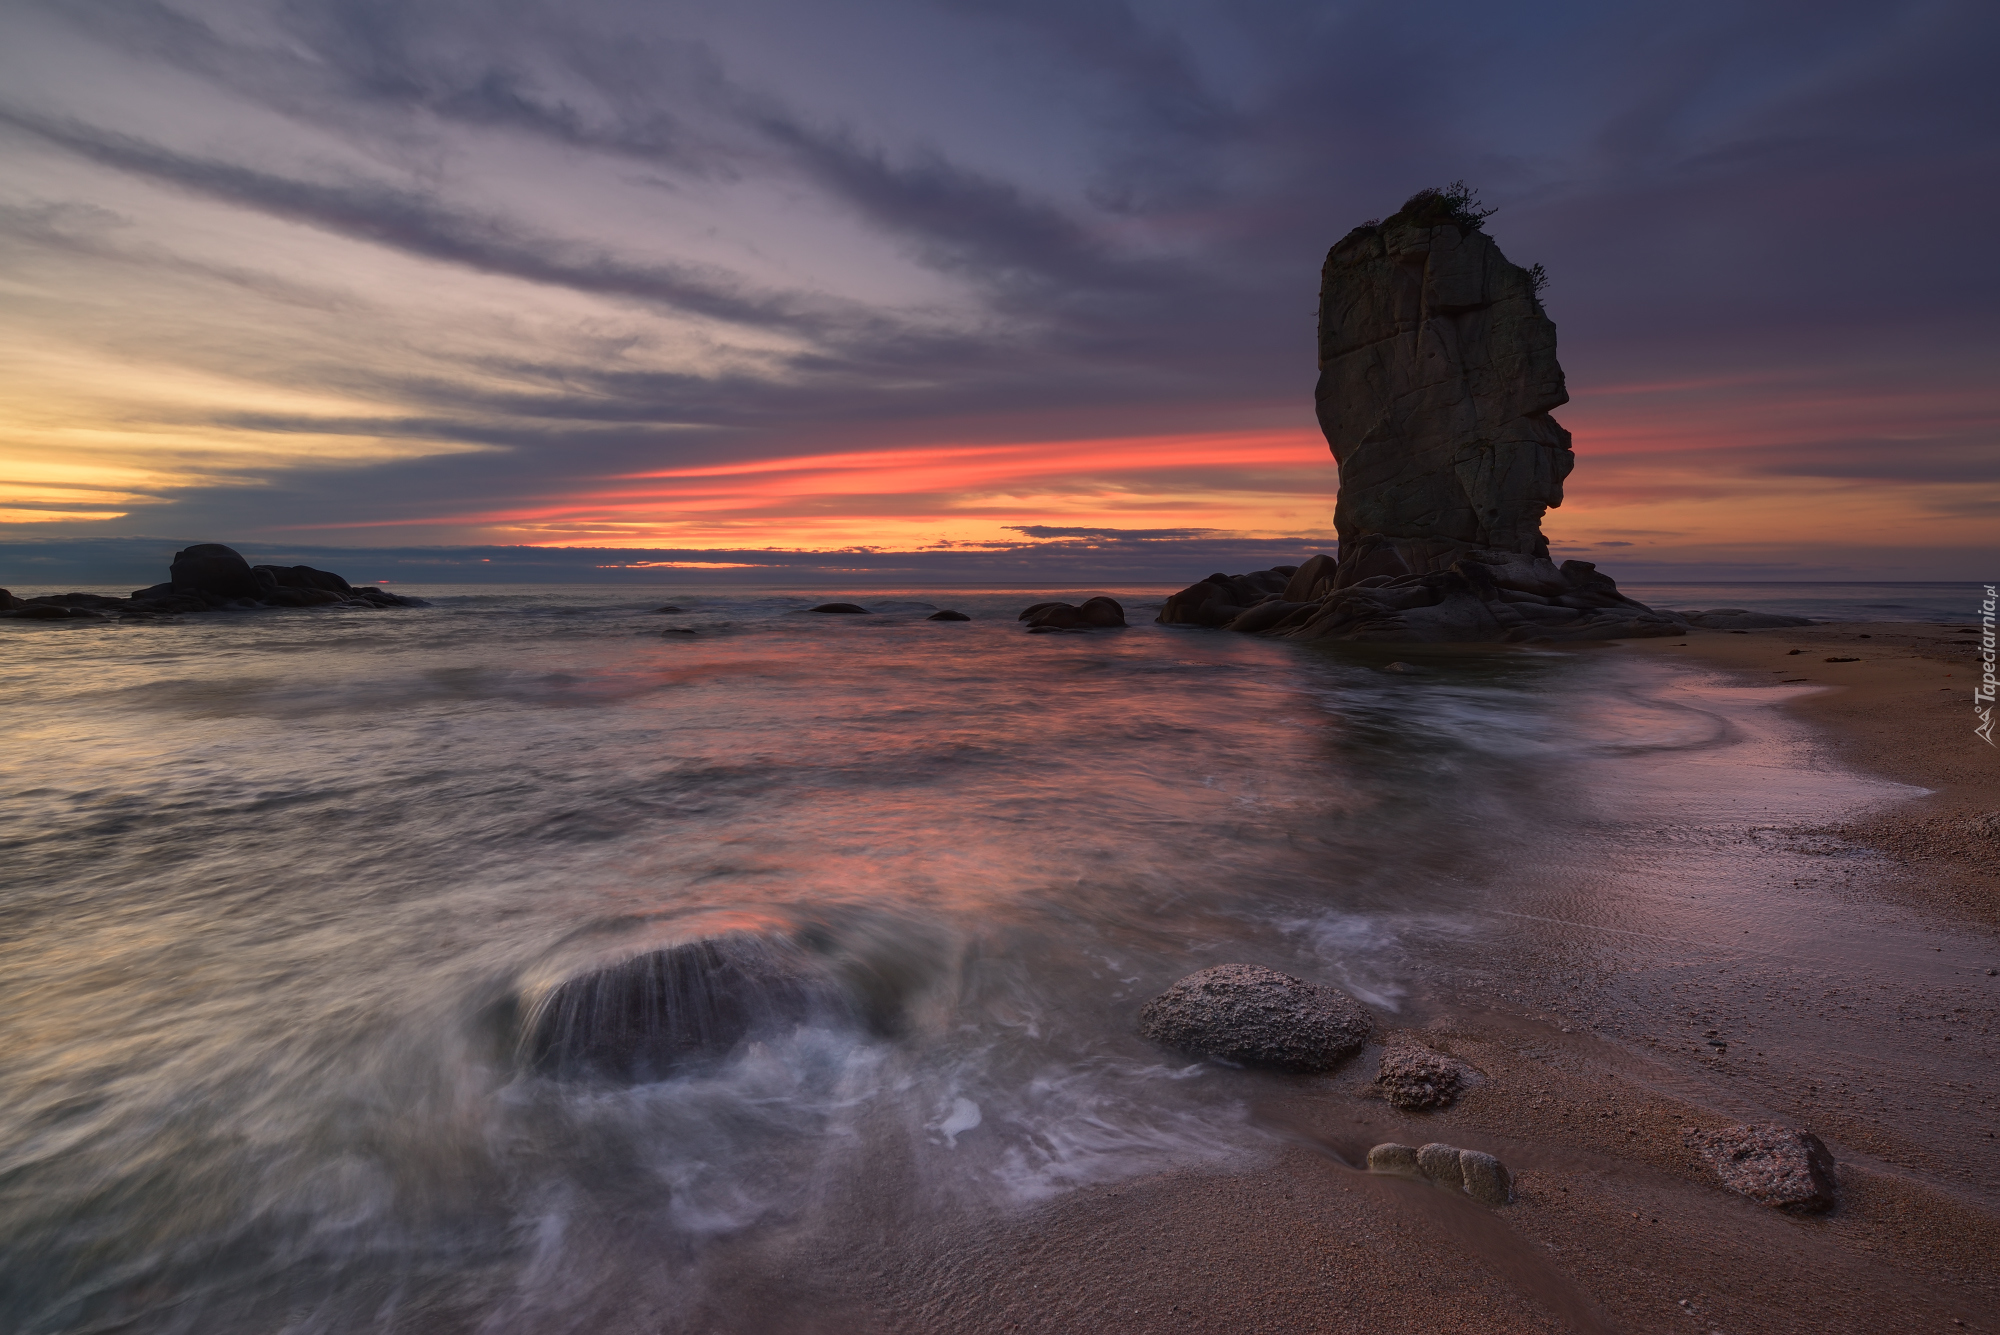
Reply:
x=901 y=274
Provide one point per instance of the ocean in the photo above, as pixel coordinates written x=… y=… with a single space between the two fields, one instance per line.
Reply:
x=276 y=883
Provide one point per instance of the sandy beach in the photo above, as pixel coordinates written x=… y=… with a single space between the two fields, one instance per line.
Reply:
x=1876 y=1030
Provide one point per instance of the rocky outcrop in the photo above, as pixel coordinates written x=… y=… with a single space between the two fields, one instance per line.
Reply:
x=1093 y=612
x=1473 y=1172
x=1772 y=1165
x=1438 y=373
x=658 y=1014
x=1437 y=376
x=1259 y=1017
x=207 y=577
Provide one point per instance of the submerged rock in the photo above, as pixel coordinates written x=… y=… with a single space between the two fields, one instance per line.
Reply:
x=947 y=615
x=844 y=608
x=1473 y=1172
x=1416 y=1078
x=1092 y=612
x=1259 y=1017
x=650 y=1016
x=1772 y=1165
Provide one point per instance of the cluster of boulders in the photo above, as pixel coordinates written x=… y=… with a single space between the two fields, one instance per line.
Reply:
x=1485 y=596
x=1473 y=1172
x=207 y=577
x=1099 y=612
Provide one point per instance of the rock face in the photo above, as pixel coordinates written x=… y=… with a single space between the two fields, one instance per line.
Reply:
x=1474 y=1172
x=1772 y=1165
x=654 y=1015
x=205 y=577
x=1257 y=1016
x=1416 y=1078
x=1099 y=611
x=1437 y=376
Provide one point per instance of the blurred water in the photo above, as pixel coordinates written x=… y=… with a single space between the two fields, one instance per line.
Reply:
x=272 y=881
x=1826 y=601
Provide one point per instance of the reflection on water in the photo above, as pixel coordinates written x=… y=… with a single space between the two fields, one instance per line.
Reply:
x=278 y=883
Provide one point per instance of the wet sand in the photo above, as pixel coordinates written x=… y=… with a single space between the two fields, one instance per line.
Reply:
x=1851 y=989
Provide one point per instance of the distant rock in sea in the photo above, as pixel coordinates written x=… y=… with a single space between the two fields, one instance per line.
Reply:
x=1437 y=376
x=842 y=608
x=1094 y=612
x=947 y=615
x=207 y=577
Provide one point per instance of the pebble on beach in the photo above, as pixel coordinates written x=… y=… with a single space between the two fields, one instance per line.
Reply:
x=1474 y=1172
x=1772 y=1165
x=1416 y=1078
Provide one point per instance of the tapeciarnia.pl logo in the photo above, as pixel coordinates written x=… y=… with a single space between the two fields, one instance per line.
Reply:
x=1982 y=694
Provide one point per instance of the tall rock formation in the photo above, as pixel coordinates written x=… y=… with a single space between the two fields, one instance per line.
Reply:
x=1437 y=374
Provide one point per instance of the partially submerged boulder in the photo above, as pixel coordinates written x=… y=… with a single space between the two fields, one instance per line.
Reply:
x=646 y=1017
x=1092 y=612
x=1259 y=1017
x=947 y=614
x=1772 y=1165
x=846 y=609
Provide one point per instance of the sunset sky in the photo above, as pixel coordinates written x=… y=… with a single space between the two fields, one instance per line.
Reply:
x=975 y=276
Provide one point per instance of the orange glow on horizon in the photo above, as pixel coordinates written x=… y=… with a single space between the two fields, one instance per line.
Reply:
x=1259 y=483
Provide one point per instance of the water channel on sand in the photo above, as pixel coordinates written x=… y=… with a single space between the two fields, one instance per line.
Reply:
x=272 y=881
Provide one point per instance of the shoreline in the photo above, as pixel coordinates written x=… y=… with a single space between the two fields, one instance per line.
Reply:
x=1617 y=1225
x=1902 y=712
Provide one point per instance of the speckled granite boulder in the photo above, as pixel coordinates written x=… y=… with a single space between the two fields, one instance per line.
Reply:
x=1259 y=1017
x=1772 y=1165
x=1415 y=1078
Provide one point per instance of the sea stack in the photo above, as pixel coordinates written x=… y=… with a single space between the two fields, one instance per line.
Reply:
x=1437 y=375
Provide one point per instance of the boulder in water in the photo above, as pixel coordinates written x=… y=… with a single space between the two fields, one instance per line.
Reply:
x=305 y=577
x=1259 y=1017
x=846 y=608
x=1092 y=612
x=650 y=1016
x=947 y=615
